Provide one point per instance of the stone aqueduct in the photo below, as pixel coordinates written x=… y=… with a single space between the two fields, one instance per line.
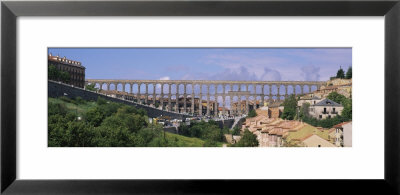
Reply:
x=207 y=90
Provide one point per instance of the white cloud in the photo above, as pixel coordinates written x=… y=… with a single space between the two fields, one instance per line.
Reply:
x=165 y=78
x=310 y=73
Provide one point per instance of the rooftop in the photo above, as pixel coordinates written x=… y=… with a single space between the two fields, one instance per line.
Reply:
x=64 y=60
x=327 y=102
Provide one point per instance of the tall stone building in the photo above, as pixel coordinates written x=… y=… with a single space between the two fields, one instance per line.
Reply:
x=74 y=68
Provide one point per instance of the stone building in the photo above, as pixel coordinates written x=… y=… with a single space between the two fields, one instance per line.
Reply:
x=325 y=109
x=74 y=68
x=308 y=98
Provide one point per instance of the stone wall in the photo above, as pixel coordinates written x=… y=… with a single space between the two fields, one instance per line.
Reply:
x=56 y=89
x=339 y=82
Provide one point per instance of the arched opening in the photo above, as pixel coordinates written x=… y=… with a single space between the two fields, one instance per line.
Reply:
x=181 y=89
x=251 y=89
x=97 y=86
x=135 y=88
x=166 y=89
x=158 y=88
x=267 y=90
x=235 y=87
x=290 y=90
x=258 y=89
x=189 y=89
x=150 y=88
x=127 y=88
x=112 y=87
x=196 y=89
x=174 y=89
x=220 y=89
x=243 y=87
x=306 y=89
x=298 y=89
x=227 y=88
x=204 y=89
x=314 y=88
x=282 y=90
x=274 y=90
x=212 y=89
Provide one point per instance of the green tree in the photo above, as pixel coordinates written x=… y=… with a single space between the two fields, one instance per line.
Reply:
x=347 y=110
x=64 y=76
x=94 y=116
x=252 y=113
x=340 y=73
x=101 y=101
x=236 y=131
x=53 y=73
x=349 y=73
x=336 y=97
x=91 y=87
x=290 y=107
x=248 y=140
x=304 y=110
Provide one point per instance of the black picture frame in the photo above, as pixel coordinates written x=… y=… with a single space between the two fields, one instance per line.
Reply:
x=10 y=10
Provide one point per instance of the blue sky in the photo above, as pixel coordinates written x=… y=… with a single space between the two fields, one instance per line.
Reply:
x=270 y=64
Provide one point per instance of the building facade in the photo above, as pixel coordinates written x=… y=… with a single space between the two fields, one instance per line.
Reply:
x=74 y=68
x=343 y=134
x=325 y=109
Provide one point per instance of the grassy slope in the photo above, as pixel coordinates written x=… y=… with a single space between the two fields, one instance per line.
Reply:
x=184 y=141
x=80 y=109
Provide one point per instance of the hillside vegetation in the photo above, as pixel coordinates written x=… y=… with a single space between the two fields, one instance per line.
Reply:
x=80 y=123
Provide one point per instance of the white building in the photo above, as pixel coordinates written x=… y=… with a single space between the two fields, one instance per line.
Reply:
x=325 y=109
x=343 y=134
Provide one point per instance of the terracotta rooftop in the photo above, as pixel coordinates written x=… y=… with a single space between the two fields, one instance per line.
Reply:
x=341 y=124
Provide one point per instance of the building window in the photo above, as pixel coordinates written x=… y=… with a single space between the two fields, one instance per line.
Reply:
x=333 y=109
x=320 y=116
x=329 y=116
x=319 y=146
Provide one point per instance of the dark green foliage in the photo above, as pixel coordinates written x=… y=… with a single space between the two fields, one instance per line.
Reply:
x=290 y=107
x=236 y=131
x=94 y=116
x=349 y=73
x=340 y=73
x=78 y=100
x=252 y=113
x=304 y=110
x=248 y=140
x=208 y=131
x=336 y=97
x=53 y=73
x=57 y=75
x=65 y=99
x=101 y=101
x=107 y=124
x=347 y=110
x=58 y=108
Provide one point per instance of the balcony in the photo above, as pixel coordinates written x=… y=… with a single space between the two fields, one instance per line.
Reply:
x=334 y=112
x=325 y=112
